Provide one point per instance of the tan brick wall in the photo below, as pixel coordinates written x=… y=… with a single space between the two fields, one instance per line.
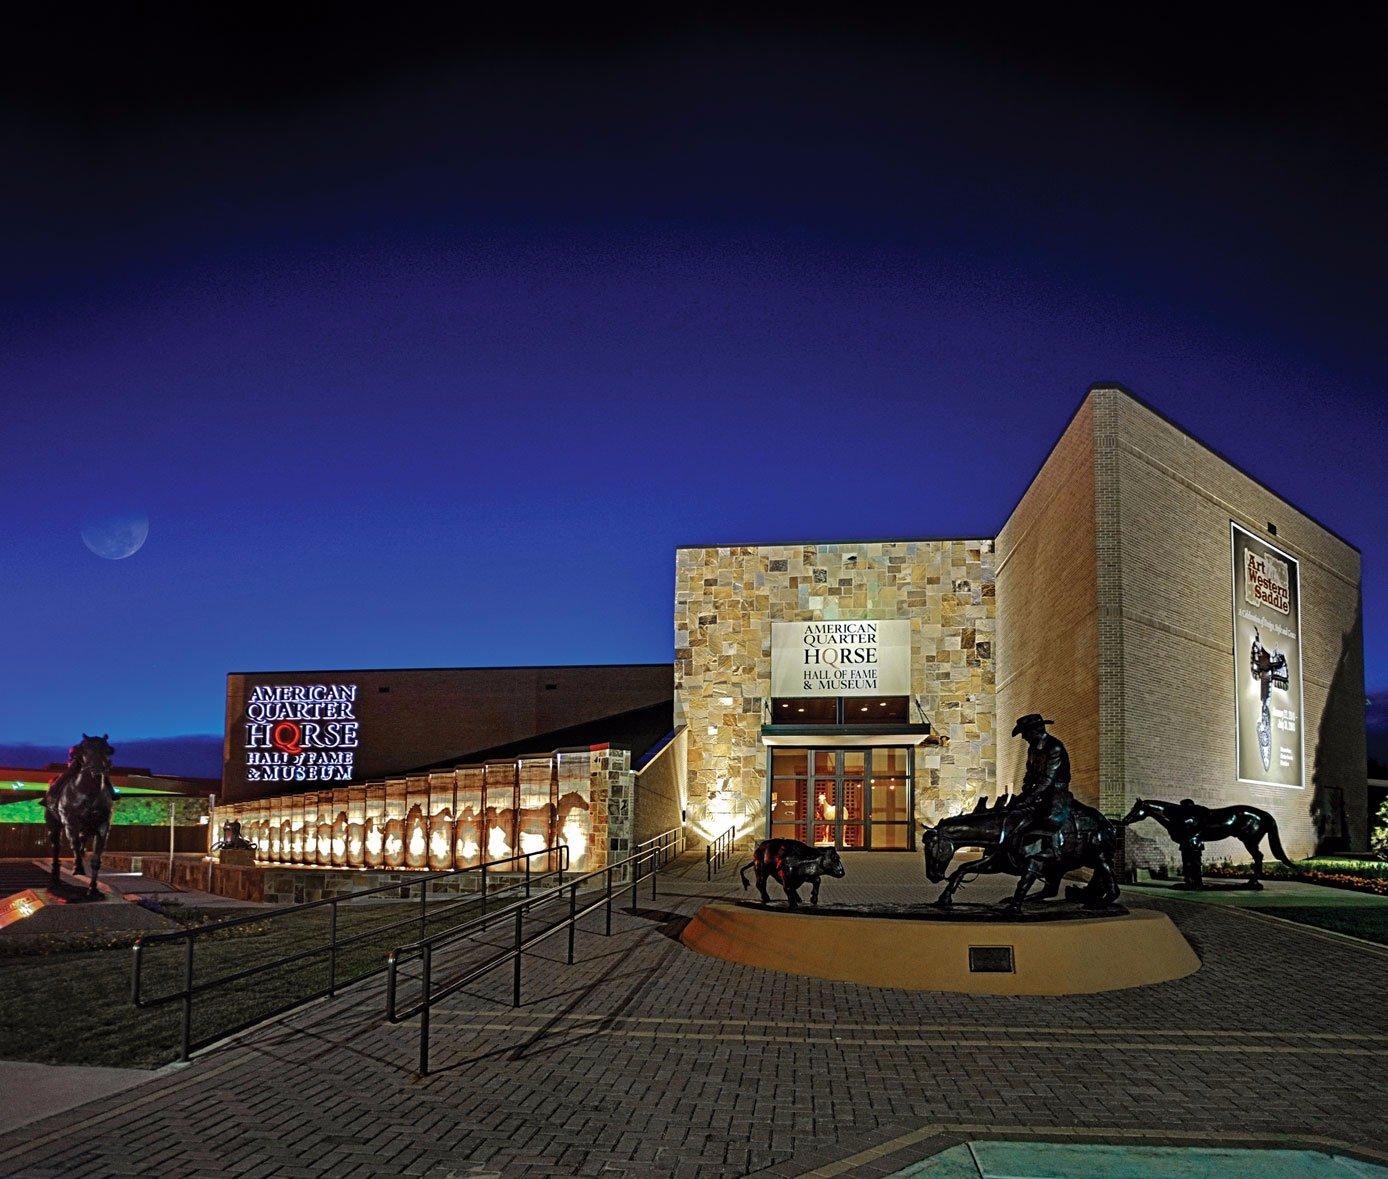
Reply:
x=725 y=602
x=1170 y=672
x=1048 y=611
x=659 y=790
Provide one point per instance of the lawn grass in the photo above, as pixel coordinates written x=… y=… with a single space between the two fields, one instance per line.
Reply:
x=1368 y=922
x=1359 y=913
x=74 y=1007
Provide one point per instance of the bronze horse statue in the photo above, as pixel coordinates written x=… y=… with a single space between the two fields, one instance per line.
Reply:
x=80 y=802
x=1191 y=826
x=1087 y=840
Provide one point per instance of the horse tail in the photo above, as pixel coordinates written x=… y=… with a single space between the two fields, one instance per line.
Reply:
x=743 y=874
x=1275 y=843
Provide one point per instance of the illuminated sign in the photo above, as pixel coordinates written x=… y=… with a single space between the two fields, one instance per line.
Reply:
x=842 y=657
x=301 y=732
x=1267 y=662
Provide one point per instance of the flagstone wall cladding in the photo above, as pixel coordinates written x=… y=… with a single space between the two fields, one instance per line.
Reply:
x=613 y=786
x=726 y=599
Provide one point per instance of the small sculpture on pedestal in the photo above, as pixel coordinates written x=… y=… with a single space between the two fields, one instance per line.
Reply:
x=233 y=847
x=1042 y=834
x=1191 y=826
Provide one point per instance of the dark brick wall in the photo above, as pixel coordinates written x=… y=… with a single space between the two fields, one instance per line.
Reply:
x=431 y=714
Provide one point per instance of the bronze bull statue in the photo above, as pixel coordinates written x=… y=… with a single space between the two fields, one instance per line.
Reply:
x=792 y=863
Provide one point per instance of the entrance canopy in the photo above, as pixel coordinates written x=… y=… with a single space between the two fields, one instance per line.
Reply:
x=844 y=735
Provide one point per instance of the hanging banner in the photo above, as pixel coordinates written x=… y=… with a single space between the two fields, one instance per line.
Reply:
x=841 y=658
x=1267 y=662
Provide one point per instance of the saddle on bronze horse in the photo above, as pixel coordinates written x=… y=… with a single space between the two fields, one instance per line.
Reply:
x=1034 y=838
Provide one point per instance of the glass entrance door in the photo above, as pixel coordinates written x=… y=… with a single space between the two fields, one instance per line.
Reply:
x=851 y=799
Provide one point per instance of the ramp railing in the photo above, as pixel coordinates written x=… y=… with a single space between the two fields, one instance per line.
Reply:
x=324 y=914
x=717 y=852
x=646 y=861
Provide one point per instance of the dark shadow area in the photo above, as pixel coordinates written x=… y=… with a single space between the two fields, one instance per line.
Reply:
x=1209 y=886
x=72 y=894
x=1339 y=803
x=965 y=911
x=669 y=925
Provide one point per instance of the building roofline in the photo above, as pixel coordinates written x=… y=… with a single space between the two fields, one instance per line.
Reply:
x=497 y=667
x=1119 y=387
x=778 y=544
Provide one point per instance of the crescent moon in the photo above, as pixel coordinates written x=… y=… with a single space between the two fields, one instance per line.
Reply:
x=116 y=537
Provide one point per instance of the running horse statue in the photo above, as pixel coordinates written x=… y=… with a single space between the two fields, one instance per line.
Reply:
x=1087 y=840
x=1191 y=826
x=80 y=802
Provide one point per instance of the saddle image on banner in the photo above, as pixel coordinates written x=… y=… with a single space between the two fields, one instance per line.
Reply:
x=1267 y=662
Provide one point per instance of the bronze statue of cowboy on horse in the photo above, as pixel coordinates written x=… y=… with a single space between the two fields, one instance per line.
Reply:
x=1041 y=834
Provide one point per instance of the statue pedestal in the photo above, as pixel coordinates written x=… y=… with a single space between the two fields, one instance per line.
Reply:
x=241 y=857
x=919 y=951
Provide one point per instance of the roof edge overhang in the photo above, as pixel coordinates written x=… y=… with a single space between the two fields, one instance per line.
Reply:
x=805 y=736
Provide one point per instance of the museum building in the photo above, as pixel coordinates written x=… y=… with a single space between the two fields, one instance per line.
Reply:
x=1189 y=633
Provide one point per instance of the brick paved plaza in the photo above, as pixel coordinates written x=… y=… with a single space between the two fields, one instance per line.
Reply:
x=648 y=1059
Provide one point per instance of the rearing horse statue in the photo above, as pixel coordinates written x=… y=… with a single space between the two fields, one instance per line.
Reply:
x=80 y=802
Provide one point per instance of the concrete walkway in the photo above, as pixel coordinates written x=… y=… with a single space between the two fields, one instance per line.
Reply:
x=1052 y=1160
x=132 y=885
x=37 y=1091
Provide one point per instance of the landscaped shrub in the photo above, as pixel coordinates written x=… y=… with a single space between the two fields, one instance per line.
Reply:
x=1378 y=830
x=1337 y=871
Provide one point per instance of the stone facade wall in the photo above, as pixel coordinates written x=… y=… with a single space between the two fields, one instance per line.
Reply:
x=268 y=884
x=725 y=601
x=1169 y=668
x=613 y=787
x=1048 y=612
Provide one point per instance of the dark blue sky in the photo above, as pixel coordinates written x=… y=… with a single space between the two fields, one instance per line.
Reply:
x=432 y=357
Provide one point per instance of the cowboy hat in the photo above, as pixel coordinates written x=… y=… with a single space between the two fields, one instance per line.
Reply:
x=1026 y=722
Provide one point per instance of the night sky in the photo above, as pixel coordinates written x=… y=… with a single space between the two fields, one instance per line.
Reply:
x=425 y=347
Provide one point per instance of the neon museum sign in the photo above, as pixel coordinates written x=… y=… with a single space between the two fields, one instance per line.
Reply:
x=301 y=732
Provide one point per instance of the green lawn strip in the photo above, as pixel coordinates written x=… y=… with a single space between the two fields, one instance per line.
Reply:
x=74 y=1007
x=1369 y=922
x=139 y=811
x=1360 y=914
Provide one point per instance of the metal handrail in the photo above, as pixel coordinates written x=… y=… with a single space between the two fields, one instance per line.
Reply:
x=660 y=849
x=716 y=853
x=331 y=947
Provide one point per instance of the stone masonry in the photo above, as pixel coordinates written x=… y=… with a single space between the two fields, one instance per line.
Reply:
x=725 y=601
